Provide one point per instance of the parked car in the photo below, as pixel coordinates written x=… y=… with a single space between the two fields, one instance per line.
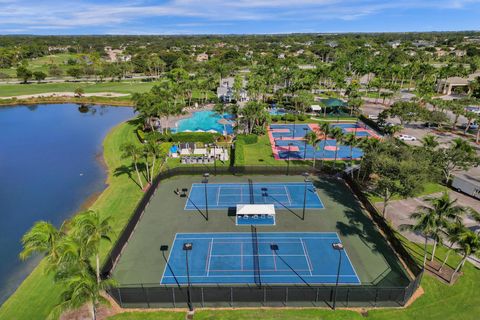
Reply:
x=473 y=126
x=473 y=109
x=430 y=125
x=406 y=137
x=373 y=117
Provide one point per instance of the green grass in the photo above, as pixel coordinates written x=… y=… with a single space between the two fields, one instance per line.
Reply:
x=7 y=90
x=429 y=188
x=43 y=63
x=38 y=294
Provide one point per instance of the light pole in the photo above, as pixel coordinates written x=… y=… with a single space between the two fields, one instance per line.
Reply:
x=338 y=247
x=306 y=180
x=305 y=146
x=288 y=162
x=214 y=157
x=205 y=182
x=188 y=246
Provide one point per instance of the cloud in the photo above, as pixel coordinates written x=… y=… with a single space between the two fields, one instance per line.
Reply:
x=114 y=15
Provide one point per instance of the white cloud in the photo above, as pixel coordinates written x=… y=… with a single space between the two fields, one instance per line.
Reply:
x=48 y=14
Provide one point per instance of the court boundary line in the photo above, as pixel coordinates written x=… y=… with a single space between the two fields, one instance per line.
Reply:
x=306 y=257
x=209 y=255
x=350 y=262
x=226 y=206
x=168 y=259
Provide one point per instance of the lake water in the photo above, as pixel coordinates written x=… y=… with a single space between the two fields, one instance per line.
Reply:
x=49 y=165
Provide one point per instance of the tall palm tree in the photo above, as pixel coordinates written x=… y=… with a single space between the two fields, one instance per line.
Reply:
x=429 y=142
x=42 y=238
x=337 y=134
x=81 y=288
x=312 y=139
x=92 y=228
x=325 y=129
x=130 y=150
x=469 y=243
x=352 y=141
x=446 y=211
x=424 y=224
x=452 y=231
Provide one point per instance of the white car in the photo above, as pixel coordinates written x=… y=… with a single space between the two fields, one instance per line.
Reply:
x=406 y=137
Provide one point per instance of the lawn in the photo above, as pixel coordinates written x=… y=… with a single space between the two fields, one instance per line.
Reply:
x=7 y=90
x=429 y=188
x=43 y=63
x=37 y=295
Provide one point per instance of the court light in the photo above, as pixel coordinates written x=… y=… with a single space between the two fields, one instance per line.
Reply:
x=274 y=247
x=163 y=247
x=187 y=246
x=338 y=246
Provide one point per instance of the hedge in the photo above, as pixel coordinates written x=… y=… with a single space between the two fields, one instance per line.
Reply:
x=248 y=138
x=239 y=152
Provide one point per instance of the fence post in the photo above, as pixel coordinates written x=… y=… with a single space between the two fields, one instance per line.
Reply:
x=120 y=297
x=376 y=297
x=231 y=296
x=173 y=296
x=203 y=300
x=286 y=296
x=145 y=293
x=348 y=297
x=264 y=296
x=316 y=297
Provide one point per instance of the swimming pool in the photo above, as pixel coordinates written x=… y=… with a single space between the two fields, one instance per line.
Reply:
x=205 y=121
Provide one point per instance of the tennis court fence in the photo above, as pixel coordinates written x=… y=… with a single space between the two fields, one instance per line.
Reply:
x=168 y=296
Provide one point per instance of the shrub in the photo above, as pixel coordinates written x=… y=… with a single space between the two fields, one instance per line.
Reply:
x=205 y=137
x=141 y=135
x=302 y=117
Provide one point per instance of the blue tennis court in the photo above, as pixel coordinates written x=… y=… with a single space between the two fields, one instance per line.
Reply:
x=228 y=195
x=325 y=150
x=265 y=257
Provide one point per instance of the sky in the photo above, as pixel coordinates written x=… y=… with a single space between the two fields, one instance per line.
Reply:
x=66 y=17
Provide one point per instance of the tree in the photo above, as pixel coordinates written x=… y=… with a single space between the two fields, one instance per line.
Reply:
x=24 y=74
x=470 y=117
x=75 y=72
x=81 y=288
x=129 y=150
x=79 y=92
x=452 y=232
x=312 y=139
x=91 y=228
x=459 y=156
x=325 y=129
x=457 y=109
x=337 y=134
x=352 y=141
x=55 y=71
x=406 y=111
x=443 y=211
x=42 y=238
x=469 y=243
x=429 y=142
x=39 y=76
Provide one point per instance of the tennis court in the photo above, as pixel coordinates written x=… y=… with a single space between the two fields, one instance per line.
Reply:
x=228 y=195
x=258 y=258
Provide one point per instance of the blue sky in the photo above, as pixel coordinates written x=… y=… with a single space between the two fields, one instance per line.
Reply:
x=237 y=16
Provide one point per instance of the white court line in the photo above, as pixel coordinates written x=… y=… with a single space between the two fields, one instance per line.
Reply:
x=262 y=240
x=241 y=256
x=268 y=275
x=288 y=195
x=307 y=258
x=218 y=194
x=209 y=256
x=262 y=269
x=260 y=255
x=168 y=259
x=349 y=261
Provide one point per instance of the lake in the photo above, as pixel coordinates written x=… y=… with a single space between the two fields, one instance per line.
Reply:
x=50 y=163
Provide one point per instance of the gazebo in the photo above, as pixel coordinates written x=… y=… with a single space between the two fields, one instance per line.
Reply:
x=334 y=104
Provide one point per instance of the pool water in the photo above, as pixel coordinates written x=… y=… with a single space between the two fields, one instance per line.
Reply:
x=277 y=111
x=205 y=121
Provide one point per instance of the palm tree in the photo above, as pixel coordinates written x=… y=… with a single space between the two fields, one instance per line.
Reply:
x=325 y=129
x=42 y=238
x=452 y=230
x=352 y=141
x=469 y=243
x=129 y=150
x=81 y=288
x=312 y=139
x=92 y=229
x=425 y=223
x=429 y=142
x=336 y=134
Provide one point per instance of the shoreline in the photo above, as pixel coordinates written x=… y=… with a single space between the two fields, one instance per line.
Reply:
x=109 y=101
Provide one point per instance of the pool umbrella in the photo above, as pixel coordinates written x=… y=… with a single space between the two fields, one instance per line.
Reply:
x=187 y=130
x=199 y=130
x=212 y=131
x=224 y=122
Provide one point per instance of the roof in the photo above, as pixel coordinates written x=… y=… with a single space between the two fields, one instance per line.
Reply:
x=252 y=209
x=316 y=107
x=333 y=103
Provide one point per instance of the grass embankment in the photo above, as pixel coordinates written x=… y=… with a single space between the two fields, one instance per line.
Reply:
x=38 y=294
x=428 y=188
x=44 y=63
